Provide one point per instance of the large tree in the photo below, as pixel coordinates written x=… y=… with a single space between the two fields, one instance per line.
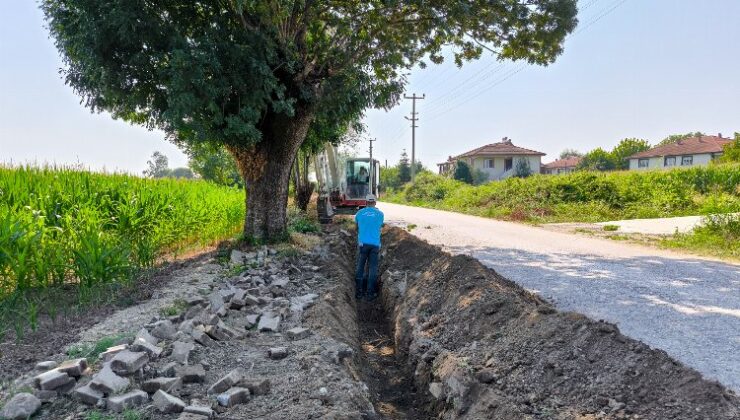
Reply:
x=254 y=75
x=628 y=147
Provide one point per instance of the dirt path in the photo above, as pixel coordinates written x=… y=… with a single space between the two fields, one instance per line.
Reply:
x=687 y=306
x=391 y=387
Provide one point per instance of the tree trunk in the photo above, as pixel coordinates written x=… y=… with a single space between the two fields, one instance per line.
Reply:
x=266 y=169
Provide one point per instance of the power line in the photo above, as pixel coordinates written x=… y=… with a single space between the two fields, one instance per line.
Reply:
x=413 y=120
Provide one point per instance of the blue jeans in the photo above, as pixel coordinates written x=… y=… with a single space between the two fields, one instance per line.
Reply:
x=367 y=254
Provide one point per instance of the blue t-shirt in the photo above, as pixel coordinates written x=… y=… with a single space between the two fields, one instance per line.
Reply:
x=369 y=221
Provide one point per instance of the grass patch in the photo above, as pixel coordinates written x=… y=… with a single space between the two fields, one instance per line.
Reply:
x=411 y=227
x=301 y=222
x=177 y=307
x=719 y=235
x=92 y=351
x=584 y=196
x=611 y=228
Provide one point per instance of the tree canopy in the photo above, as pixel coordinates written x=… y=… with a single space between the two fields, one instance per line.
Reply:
x=626 y=148
x=463 y=172
x=676 y=137
x=259 y=76
x=598 y=160
x=569 y=153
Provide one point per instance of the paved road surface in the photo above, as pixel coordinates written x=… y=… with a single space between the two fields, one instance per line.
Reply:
x=685 y=305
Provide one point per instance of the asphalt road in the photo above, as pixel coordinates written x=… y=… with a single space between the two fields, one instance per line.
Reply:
x=685 y=305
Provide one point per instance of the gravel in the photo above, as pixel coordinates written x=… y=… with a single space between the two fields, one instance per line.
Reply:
x=685 y=305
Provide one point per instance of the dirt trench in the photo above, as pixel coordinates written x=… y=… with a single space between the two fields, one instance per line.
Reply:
x=450 y=338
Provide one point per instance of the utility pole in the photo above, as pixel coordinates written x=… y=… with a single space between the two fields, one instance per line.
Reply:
x=413 y=120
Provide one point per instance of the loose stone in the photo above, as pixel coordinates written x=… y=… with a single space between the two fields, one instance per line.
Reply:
x=108 y=382
x=47 y=365
x=144 y=335
x=167 y=403
x=269 y=321
x=164 y=330
x=199 y=410
x=297 y=333
x=256 y=386
x=165 y=384
x=87 y=395
x=233 y=397
x=52 y=379
x=223 y=384
x=277 y=353
x=107 y=355
x=21 y=407
x=181 y=351
x=192 y=374
x=129 y=400
x=127 y=362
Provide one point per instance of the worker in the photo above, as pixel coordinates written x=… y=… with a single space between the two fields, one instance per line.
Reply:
x=363 y=180
x=369 y=222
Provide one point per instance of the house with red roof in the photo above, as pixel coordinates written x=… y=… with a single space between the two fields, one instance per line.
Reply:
x=561 y=166
x=496 y=160
x=687 y=152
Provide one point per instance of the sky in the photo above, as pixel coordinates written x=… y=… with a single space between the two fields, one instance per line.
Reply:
x=633 y=68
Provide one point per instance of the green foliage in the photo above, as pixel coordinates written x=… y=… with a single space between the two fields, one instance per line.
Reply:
x=404 y=169
x=61 y=227
x=177 y=307
x=611 y=228
x=597 y=160
x=718 y=235
x=462 y=172
x=522 y=169
x=568 y=153
x=585 y=196
x=625 y=148
x=676 y=137
x=731 y=151
x=214 y=164
x=479 y=177
x=300 y=222
x=158 y=166
x=263 y=77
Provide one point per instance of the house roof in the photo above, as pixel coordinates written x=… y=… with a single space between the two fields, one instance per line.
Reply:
x=563 y=163
x=689 y=146
x=503 y=148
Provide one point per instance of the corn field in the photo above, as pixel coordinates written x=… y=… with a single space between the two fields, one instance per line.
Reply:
x=61 y=226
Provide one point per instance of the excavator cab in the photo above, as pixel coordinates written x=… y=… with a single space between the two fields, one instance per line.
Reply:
x=344 y=183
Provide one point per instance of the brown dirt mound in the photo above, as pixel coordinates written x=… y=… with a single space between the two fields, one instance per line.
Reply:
x=480 y=346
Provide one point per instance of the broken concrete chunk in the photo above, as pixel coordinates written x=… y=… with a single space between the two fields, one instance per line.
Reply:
x=188 y=325
x=253 y=318
x=227 y=294
x=209 y=319
x=45 y=396
x=300 y=303
x=171 y=385
x=228 y=381
x=181 y=351
x=107 y=355
x=21 y=407
x=279 y=281
x=168 y=370
x=435 y=388
x=233 y=397
x=144 y=335
x=199 y=410
x=87 y=395
x=73 y=367
x=200 y=337
x=140 y=345
x=269 y=321
x=131 y=399
x=193 y=312
x=216 y=301
x=237 y=257
x=127 y=362
x=256 y=386
x=277 y=353
x=297 y=333
x=107 y=382
x=47 y=365
x=164 y=330
x=167 y=403
x=51 y=380
x=192 y=374
x=191 y=416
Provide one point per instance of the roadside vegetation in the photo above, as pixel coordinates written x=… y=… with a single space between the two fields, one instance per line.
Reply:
x=583 y=196
x=85 y=232
x=719 y=235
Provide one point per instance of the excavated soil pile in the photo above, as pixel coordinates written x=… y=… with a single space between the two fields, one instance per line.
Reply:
x=479 y=346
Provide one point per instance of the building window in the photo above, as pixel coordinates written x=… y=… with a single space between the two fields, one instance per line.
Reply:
x=669 y=161
x=687 y=160
x=488 y=163
x=643 y=163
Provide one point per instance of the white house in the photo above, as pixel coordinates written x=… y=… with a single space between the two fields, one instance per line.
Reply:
x=496 y=160
x=687 y=152
x=561 y=166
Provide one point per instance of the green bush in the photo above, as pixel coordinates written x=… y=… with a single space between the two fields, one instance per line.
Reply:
x=585 y=196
